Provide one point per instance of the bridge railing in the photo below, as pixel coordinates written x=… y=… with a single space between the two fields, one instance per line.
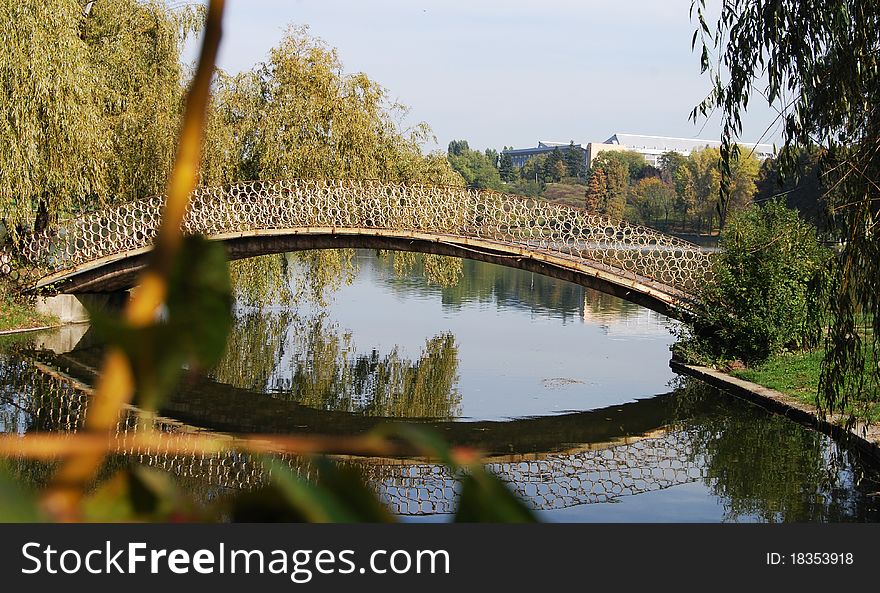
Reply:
x=528 y=223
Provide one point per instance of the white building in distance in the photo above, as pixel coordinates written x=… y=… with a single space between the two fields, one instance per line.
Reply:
x=650 y=147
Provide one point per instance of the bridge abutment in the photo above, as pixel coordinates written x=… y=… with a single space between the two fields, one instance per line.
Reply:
x=74 y=308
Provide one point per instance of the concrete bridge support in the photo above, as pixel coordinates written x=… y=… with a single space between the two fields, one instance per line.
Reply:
x=73 y=308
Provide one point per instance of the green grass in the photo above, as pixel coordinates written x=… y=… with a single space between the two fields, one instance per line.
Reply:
x=792 y=373
x=17 y=315
x=796 y=374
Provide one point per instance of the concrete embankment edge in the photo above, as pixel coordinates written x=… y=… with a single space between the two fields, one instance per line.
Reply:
x=865 y=438
x=24 y=330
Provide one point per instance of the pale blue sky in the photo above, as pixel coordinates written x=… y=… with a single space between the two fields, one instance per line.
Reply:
x=507 y=73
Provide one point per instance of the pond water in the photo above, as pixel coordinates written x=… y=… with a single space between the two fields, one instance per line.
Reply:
x=568 y=392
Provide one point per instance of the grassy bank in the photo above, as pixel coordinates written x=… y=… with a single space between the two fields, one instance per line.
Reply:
x=19 y=315
x=795 y=374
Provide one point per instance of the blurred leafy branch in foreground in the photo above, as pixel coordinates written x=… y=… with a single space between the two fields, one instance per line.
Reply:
x=178 y=317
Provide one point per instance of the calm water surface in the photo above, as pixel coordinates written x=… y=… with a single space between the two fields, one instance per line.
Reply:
x=567 y=390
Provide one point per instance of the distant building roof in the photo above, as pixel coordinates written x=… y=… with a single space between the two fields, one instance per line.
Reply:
x=548 y=144
x=520 y=156
x=543 y=147
x=661 y=144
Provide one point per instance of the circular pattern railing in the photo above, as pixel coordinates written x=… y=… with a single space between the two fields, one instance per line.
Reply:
x=629 y=250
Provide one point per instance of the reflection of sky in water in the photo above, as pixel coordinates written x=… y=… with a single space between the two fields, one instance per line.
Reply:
x=659 y=506
x=526 y=346
x=695 y=455
x=12 y=418
x=517 y=358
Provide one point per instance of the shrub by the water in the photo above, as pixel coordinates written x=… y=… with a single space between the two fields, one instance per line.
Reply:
x=759 y=303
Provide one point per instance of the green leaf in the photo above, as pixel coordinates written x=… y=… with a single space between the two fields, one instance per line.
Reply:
x=156 y=352
x=340 y=495
x=347 y=484
x=199 y=315
x=268 y=504
x=313 y=503
x=134 y=494
x=200 y=299
x=428 y=441
x=110 y=502
x=486 y=499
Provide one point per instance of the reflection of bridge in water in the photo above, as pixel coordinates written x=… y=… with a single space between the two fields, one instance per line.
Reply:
x=594 y=466
x=600 y=473
x=548 y=481
x=103 y=251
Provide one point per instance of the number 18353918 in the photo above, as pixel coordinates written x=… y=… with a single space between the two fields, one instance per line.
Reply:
x=810 y=558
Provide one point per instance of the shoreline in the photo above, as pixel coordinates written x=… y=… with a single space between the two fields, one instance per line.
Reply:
x=23 y=330
x=865 y=438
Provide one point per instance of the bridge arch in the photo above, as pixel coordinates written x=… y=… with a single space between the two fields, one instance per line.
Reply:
x=103 y=251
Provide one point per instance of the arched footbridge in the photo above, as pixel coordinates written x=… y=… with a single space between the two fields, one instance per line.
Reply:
x=104 y=250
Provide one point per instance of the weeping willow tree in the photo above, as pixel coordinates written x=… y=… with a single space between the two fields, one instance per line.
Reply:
x=818 y=63
x=52 y=146
x=299 y=115
x=89 y=104
x=134 y=48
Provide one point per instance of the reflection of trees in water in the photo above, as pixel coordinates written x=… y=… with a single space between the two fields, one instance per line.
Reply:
x=291 y=278
x=312 y=276
x=765 y=465
x=309 y=361
x=759 y=465
x=260 y=280
x=440 y=270
x=254 y=348
x=15 y=390
x=462 y=281
x=609 y=306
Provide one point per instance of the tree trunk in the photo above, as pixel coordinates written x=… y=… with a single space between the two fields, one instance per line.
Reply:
x=41 y=222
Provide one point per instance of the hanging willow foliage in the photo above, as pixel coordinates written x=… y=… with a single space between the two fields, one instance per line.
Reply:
x=90 y=103
x=818 y=63
x=53 y=147
x=135 y=49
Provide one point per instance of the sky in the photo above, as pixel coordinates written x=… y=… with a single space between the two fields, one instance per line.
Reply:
x=507 y=73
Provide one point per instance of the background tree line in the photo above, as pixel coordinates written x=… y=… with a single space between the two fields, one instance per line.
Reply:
x=682 y=194
x=495 y=170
